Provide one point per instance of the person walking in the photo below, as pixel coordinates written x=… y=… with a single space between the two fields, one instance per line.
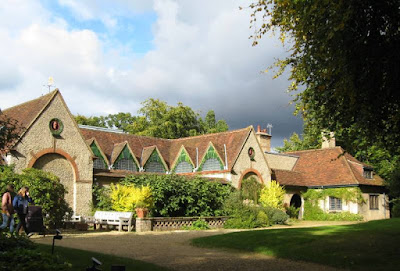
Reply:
x=20 y=203
x=7 y=210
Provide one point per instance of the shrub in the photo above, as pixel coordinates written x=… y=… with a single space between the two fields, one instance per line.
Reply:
x=313 y=212
x=199 y=225
x=251 y=189
x=45 y=189
x=19 y=253
x=176 y=195
x=125 y=198
x=272 y=195
x=396 y=208
x=250 y=216
x=101 y=198
x=292 y=212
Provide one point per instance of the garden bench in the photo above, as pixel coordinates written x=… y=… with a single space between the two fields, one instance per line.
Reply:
x=113 y=218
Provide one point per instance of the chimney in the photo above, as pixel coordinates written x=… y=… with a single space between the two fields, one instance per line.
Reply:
x=328 y=140
x=264 y=139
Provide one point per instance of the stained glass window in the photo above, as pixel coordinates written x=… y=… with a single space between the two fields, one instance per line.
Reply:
x=154 y=163
x=211 y=161
x=99 y=162
x=125 y=161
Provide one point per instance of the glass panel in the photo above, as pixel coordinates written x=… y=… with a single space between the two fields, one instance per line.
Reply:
x=125 y=164
x=184 y=167
x=98 y=163
x=335 y=203
x=154 y=167
x=212 y=165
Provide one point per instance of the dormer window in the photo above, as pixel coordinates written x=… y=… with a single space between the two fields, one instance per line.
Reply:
x=367 y=173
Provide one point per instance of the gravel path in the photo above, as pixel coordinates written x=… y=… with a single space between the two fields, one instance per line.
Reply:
x=173 y=250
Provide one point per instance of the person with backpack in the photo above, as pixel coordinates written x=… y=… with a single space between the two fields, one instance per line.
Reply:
x=20 y=203
x=7 y=210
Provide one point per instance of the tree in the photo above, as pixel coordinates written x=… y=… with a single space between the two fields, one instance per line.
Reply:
x=10 y=131
x=345 y=56
x=158 y=119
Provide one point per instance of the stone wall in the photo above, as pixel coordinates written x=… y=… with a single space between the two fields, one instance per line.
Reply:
x=39 y=142
x=244 y=165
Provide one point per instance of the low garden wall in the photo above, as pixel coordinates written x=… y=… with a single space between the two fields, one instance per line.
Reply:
x=176 y=223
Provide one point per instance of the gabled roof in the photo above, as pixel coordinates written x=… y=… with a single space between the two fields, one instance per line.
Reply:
x=327 y=167
x=182 y=149
x=93 y=140
x=170 y=148
x=26 y=113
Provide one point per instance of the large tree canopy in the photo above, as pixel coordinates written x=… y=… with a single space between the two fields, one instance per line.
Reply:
x=345 y=56
x=157 y=118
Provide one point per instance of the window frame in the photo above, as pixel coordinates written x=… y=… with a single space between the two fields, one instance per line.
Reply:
x=374 y=202
x=335 y=204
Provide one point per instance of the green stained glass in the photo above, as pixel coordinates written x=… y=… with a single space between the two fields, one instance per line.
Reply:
x=183 y=158
x=99 y=162
x=126 y=155
x=211 y=161
x=154 y=163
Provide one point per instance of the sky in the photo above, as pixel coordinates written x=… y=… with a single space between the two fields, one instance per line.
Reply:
x=109 y=56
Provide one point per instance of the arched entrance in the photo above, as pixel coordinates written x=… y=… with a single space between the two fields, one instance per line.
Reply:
x=250 y=173
x=61 y=167
x=295 y=201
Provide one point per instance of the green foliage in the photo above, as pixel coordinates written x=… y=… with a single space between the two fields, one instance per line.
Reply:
x=127 y=198
x=272 y=195
x=292 y=211
x=246 y=216
x=10 y=131
x=251 y=189
x=344 y=56
x=45 y=189
x=19 y=253
x=396 y=208
x=158 y=119
x=198 y=225
x=352 y=194
x=101 y=198
x=176 y=195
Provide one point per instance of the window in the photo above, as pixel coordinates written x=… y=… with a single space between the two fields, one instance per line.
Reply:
x=211 y=164
x=125 y=164
x=374 y=202
x=335 y=204
x=154 y=163
x=183 y=167
x=367 y=173
x=99 y=163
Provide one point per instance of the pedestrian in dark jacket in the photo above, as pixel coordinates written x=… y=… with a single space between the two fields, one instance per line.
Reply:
x=20 y=203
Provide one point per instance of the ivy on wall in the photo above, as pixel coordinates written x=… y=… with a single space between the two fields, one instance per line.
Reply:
x=348 y=194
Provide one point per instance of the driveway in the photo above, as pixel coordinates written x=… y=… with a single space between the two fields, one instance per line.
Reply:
x=173 y=250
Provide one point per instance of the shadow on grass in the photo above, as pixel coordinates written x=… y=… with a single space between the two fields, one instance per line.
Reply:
x=371 y=245
x=81 y=259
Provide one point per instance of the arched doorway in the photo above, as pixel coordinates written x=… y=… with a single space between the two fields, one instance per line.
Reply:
x=61 y=167
x=295 y=201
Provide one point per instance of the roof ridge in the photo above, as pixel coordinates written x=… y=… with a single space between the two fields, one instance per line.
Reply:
x=38 y=98
x=310 y=150
x=212 y=134
x=125 y=134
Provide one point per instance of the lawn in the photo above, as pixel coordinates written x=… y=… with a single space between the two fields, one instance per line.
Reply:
x=81 y=259
x=374 y=245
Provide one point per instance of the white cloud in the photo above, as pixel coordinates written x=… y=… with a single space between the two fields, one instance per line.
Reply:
x=201 y=56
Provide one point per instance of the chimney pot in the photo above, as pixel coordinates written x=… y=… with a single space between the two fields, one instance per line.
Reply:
x=258 y=128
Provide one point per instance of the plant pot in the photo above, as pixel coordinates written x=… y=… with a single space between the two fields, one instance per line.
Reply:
x=142 y=212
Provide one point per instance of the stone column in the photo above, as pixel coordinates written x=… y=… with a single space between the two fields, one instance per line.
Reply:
x=143 y=224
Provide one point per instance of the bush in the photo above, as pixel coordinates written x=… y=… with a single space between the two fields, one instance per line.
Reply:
x=396 y=208
x=198 y=225
x=272 y=195
x=250 y=216
x=101 y=198
x=292 y=212
x=45 y=189
x=125 y=198
x=176 y=195
x=19 y=253
x=251 y=189
x=313 y=212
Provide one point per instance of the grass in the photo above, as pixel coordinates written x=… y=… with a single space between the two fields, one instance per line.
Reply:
x=81 y=259
x=374 y=245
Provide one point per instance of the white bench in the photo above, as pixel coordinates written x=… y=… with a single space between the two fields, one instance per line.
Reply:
x=113 y=218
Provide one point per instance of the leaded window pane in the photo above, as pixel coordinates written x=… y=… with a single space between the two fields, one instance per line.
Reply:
x=125 y=164
x=374 y=202
x=211 y=165
x=99 y=163
x=184 y=167
x=154 y=166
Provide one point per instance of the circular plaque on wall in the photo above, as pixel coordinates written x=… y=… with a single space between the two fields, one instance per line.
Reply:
x=56 y=126
x=251 y=153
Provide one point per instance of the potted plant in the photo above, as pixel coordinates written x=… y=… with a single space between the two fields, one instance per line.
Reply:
x=141 y=209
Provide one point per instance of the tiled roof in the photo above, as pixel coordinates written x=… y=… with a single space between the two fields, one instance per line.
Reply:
x=288 y=177
x=328 y=167
x=26 y=113
x=169 y=148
